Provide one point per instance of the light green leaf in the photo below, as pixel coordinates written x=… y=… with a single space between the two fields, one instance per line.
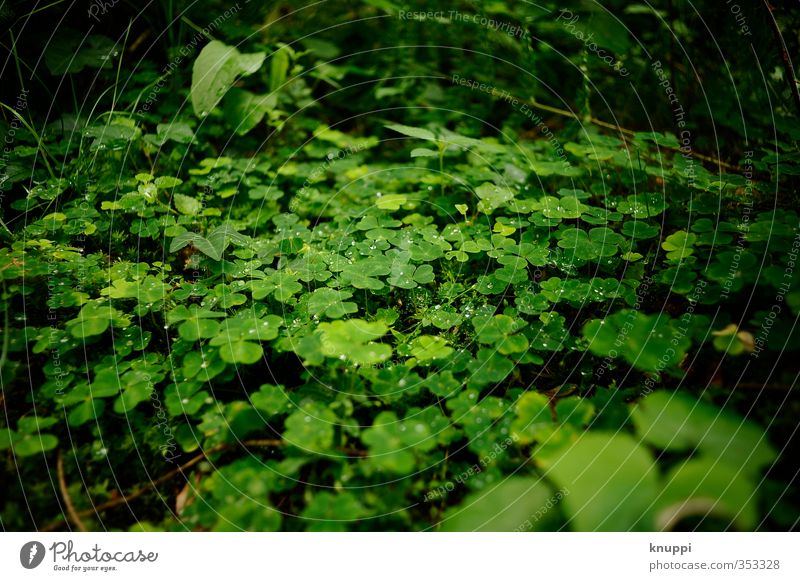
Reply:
x=678 y=422
x=279 y=68
x=515 y=504
x=32 y=444
x=214 y=71
x=429 y=347
x=354 y=340
x=244 y=110
x=492 y=197
x=424 y=152
x=610 y=479
x=246 y=352
x=416 y=132
x=705 y=487
x=187 y=205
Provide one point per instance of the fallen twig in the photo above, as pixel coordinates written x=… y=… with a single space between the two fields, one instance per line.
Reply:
x=62 y=484
x=144 y=488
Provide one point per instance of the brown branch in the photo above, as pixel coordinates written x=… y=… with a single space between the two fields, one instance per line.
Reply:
x=147 y=487
x=755 y=385
x=630 y=133
x=62 y=484
x=785 y=58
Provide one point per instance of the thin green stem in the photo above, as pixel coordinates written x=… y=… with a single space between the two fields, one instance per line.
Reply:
x=6 y=331
x=35 y=134
x=442 y=149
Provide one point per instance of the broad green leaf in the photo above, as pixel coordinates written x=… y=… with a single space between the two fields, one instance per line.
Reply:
x=214 y=71
x=33 y=444
x=610 y=480
x=94 y=319
x=517 y=504
x=416 y=132
x=492 y=197
x=70 y=51
x=198 y=241
x=246 y=352
x=678 y=422
x=391 y=201
x=679 y=245
x=429 y=347
x=311 y=428
x=244 y=110
x=187 y=205
x=279 y=68
x=424 y=152
x=331 y=303
x=329 y=512
x=174 y=131
x=354 y=340
x=703 y=487
x=648 y=342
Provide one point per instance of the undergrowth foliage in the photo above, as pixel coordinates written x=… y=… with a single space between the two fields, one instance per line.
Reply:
x=316 y=285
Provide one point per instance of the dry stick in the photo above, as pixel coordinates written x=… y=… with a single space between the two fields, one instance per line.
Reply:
x=144 y=488
x=62 y=484
x=787 y=60
x=629 y=132
x=755 y=385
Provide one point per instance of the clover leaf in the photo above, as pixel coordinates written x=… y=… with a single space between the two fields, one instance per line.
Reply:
x=648 y=342
x=492 y=197
x=95 y=319
x=429 y=347
x=679 y=245
x=331 y=303
x=311 y=428
x=597 y=243
x=354 y=340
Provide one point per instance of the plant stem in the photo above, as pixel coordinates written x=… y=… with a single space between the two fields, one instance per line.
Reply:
x=788 y=67
x=441 y=167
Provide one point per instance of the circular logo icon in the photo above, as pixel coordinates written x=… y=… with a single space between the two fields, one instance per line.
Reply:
x=31 y=554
